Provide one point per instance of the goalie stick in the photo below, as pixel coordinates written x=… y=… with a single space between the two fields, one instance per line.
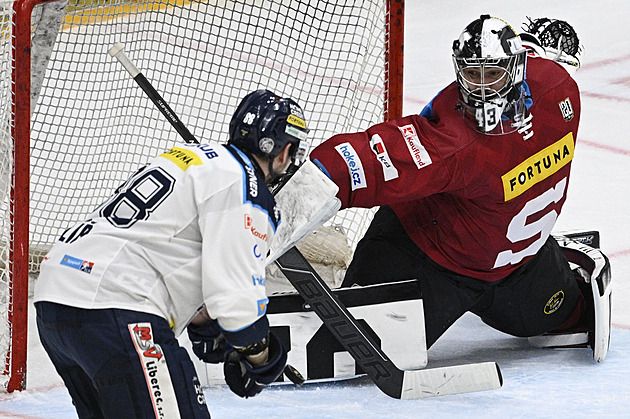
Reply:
x=391 y=380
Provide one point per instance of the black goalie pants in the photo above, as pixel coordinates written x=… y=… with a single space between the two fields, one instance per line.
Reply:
x=536 y=298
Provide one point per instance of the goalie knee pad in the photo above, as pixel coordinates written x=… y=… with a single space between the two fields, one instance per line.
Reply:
x=593 y=274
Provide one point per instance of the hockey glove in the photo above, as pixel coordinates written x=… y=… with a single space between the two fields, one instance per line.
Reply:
x=247 y=379
x=208 y=342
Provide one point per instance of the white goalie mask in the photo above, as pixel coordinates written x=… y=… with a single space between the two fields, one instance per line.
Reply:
x=489 y=61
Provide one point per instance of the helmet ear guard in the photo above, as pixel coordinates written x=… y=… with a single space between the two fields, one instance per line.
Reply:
x=265 y=145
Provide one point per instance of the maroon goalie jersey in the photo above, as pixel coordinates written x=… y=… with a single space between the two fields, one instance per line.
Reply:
x=479 y=205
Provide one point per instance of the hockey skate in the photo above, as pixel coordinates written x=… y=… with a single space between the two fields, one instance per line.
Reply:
x=592 y=271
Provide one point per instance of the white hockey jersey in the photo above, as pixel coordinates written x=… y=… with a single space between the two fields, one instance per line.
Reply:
x=192 y=227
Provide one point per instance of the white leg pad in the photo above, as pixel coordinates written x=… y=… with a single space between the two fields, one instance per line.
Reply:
x=568 y=340
x=595 y=268
x=602 y=297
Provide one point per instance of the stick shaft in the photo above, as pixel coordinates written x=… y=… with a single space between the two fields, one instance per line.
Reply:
x=118 y=52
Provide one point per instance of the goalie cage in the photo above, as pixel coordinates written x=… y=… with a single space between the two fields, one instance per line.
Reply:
x=77 y=126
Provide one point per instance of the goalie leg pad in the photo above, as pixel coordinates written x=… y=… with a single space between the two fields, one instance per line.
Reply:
x=391 y=314
x=594 y=269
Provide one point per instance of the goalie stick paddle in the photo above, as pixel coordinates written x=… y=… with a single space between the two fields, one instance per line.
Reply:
x=400 y=384
x=388 y=378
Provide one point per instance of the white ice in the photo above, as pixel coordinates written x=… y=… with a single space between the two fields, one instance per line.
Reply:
x=538 y=383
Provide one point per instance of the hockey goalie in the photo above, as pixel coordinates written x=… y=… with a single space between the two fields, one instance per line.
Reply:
x=469 y=191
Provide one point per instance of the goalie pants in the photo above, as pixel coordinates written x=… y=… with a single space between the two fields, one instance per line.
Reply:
x=536 y=298
x=120 y=363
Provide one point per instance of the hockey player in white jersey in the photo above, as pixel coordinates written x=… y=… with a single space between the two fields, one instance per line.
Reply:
x=180 y=245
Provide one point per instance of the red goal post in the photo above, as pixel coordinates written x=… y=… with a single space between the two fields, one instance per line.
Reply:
x=75 y=125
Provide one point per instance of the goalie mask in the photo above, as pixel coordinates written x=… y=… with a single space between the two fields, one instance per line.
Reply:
x=264 y=123
x=489 y=61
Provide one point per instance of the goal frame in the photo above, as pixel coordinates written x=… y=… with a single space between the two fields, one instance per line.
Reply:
x=16 y=358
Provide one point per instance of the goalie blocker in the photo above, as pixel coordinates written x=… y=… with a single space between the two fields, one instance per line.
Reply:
x=592 y=268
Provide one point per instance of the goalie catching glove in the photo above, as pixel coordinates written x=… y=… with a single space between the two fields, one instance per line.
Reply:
x=248 y=370
x=553 y=39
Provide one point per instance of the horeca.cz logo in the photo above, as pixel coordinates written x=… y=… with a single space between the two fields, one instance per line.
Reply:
x=76 y=263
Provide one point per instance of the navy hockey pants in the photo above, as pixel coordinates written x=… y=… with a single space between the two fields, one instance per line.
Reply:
x=536 y=298
x=120 y=363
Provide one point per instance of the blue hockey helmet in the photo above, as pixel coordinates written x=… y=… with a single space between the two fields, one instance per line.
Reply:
x=264 y=123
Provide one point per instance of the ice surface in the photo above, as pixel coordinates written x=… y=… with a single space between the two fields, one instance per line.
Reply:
x=538 y=383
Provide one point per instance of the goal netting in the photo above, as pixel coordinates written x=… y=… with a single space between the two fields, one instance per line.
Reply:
x=91 y=126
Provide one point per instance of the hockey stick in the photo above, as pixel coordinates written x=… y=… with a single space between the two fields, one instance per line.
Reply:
x=118 y=52
x=388 y=378
x=391 y=380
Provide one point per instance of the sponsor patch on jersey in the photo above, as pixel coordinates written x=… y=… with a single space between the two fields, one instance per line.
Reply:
x=567 y=109
x=257 y=252
x=251 y=182
x=355 y=167
x=419 y=154
x=554 y=302
x=155 y=369
x=262 y=306
x=378 y=147
x=538 y=167
x=182 y=157
x=78 y=264
x=208 y=150
x=249 y=225
x=255 y=192
x=258 y=280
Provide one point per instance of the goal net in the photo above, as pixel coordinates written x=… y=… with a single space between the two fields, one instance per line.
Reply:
x=91 y=126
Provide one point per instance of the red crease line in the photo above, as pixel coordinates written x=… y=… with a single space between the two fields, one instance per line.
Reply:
x=604 y=147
